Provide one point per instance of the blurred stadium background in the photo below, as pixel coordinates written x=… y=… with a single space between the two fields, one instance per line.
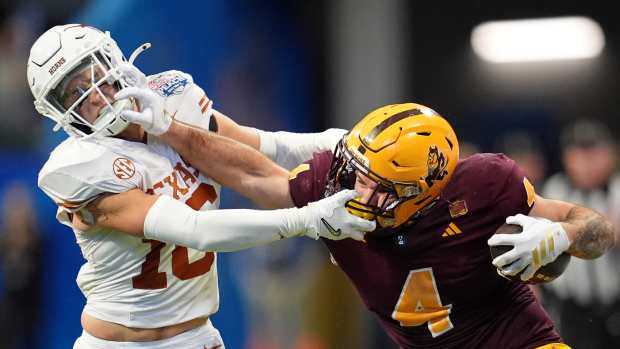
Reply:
x=305 y=66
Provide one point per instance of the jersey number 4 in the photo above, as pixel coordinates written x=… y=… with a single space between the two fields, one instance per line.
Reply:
x=419 y=303
x=151 y=278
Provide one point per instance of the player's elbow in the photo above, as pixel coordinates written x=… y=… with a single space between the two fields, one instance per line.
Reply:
x=608 y=237
x=597 y=238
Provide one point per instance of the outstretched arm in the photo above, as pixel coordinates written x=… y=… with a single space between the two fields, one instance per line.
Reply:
x=287 y=149
x=165 y=219
x=234 y=165
x=230 y=163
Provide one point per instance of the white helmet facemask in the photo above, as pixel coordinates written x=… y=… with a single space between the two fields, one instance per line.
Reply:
x=91 y=79
x=84 y=87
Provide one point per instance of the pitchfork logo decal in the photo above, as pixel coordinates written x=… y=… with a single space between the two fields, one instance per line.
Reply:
x=123 y=168
x=437 y=164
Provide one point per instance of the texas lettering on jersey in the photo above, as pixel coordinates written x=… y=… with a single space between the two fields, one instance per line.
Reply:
x=182 y=183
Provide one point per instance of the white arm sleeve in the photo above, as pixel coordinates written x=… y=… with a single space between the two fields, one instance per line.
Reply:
x=291 y=149
x=171 y=221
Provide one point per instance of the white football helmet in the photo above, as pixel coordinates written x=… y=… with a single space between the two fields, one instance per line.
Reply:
x=66 y=65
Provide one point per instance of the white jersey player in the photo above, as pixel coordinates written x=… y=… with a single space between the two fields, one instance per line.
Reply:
x=143 y=217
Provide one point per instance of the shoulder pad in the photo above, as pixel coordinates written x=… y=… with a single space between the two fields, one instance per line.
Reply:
x=307 y=181
x=488 y=164
x=79 y=171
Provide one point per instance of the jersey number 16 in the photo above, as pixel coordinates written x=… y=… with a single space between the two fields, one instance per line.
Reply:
x=151 y=278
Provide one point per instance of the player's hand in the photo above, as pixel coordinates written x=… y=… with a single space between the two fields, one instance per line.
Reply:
x=152 y=115
x=131 y=75
x=328 y=218
x=540 y=243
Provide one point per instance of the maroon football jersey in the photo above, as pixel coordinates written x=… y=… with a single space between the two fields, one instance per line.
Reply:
x=432 y=285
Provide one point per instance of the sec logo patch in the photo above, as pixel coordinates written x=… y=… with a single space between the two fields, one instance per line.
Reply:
x=123 y=168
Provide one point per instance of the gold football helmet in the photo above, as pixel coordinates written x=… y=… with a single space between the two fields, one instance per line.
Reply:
x=408 y=150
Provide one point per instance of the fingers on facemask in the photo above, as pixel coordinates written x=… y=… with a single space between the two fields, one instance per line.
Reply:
x=126 y=68
x=132 y=75
x=131 y=78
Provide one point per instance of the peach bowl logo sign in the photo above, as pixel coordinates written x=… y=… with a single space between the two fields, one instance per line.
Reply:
x=123 y=168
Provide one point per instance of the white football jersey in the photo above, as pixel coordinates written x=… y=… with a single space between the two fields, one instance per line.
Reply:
x=127 y=280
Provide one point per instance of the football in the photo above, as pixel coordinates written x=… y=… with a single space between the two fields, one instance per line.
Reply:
x=544 y=274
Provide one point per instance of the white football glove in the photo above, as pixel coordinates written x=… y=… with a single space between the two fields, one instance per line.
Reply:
x=133 y=76
x=540 y=243
x=152 y=115
x=328 y=218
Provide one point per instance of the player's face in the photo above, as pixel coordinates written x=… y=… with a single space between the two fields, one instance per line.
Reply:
x=370 y=191
x=92 y=105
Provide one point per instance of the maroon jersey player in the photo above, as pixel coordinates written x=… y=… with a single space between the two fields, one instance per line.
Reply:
x=432 y=284
x=425 y=271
